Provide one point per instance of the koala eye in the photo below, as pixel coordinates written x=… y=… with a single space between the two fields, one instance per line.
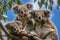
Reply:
x=39 y=18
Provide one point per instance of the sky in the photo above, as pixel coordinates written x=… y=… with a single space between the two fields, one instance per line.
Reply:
x=55 y=14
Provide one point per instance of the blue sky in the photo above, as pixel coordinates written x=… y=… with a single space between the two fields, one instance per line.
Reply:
x=55 y=14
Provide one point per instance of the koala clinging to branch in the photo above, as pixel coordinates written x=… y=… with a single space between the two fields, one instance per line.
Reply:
x=44 y=27
x=14 y=27
x=21 y=11
x=23 y=16
x=39 y=19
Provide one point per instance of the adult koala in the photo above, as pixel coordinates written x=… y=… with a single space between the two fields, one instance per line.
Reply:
x=44 y=27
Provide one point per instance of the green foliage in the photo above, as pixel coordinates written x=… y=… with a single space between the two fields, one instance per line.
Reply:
x=3 y=17
x=58 y=2
x=42 y=1
x=34 y=0
x=40 y=4
x=5 y=6
x=50 y=7
x=51 y=2
x=18 y=2
x=46 y=4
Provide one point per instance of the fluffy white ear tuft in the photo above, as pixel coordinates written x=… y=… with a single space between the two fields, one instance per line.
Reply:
x=15 y=7
x=47 y=13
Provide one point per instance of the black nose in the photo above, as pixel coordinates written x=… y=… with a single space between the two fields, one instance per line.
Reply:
x=39 y=18
x=25 y=15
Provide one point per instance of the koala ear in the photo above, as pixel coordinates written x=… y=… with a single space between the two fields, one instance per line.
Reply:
x=33 y=13
x=29 y=6
x=15 y=8
x=47 y=13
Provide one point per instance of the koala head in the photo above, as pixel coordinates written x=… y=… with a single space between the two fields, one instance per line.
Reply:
x=40 y=15
x=21 y=10
x=13 y=27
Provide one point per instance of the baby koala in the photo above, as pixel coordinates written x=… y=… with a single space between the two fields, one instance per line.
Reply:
x=21 y=12
x=44 y=27
x=14 y=27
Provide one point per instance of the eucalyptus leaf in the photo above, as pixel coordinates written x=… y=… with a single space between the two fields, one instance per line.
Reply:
x=42 y=1
x=46 y=4
x=34 y=0
x=51 y=2
x=1 y=18
x=0 y=3
x=58 y=2
x=40 y=4
x=9 y=5
x=50 y=7
x=18 y=2
x=1 y=12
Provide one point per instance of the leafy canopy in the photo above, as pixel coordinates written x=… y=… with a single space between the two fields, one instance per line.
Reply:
x=6 y=5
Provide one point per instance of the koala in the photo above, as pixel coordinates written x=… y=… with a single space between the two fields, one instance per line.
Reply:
x=14 y=27
x=44 y=27
x=21 y=12
x=23 y=15
x=30 y=25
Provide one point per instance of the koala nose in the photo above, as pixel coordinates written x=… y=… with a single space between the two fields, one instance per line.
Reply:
x=39 y=18
x=25 y=15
